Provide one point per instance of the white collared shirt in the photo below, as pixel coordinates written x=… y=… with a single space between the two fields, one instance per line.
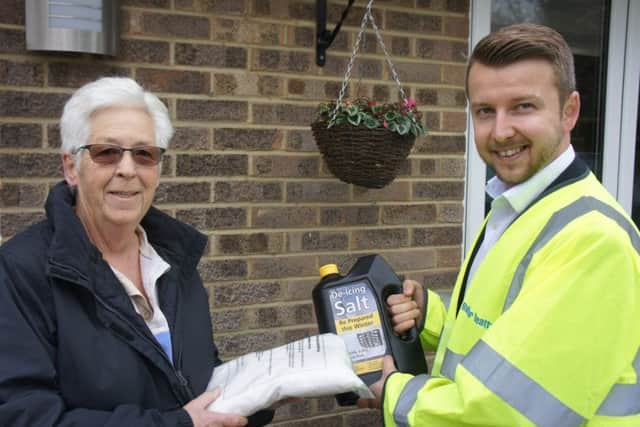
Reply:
x=509 y=202
x=152 y=266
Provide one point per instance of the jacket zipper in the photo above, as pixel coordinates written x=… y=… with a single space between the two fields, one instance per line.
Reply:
x=184 y=395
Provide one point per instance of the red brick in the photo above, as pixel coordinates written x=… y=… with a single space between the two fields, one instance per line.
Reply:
x=30 y=165
x=245 y=293
x=442 y=50
x=281 y=60
x=382 y=238
x=284 y=9
x=166 y=25
x=439 y=190
x=211 y=110
x=300 y=289
x=212 y=270
x=282 y=267
x=453 y=121
x=12 y=41
x=317 y=241
x=317 y=192
x=454 y=75
x=174 y=81
x=286 y=166
x=277 y=317
x=211 y=165
x=21 y=73
x=247 y=139
x=281 y=217
x=65 y=74
x=414 y=23
x=396 y=191
x=247 y=191
x=246 y=31
x=190 y=138
x=237 y=345
x=147 y=51
x=408 y=214
x=252 y=243
x=22 y=195
x=437 y=236
x=456 y=27
x=270 y=86
x=20 y=135
x=418 y=72
x=187 y=192
x=31 y=104
x=228 y=320
x=411 y=260
x=12 y=12
x=301 y=140
x=210 y=55
x=450 y=212
x=349 y=215
x=440 y=144
x=213 y=6
x=283 y=114
x=213 y=218
x=448 y=257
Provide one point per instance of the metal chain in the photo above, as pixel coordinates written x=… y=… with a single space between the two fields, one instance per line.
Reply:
x=386 y=55
x=368 y=16
x=354 y=53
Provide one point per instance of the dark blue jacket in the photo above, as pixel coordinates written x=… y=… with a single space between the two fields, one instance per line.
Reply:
x=73 y=351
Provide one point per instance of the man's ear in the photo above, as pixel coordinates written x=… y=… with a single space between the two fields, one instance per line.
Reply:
x=571 y=111
x=69 y=167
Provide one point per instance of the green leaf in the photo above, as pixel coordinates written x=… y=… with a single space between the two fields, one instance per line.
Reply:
x=355 y=120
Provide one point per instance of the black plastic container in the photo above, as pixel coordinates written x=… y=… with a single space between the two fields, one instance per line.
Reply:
x=354 y=307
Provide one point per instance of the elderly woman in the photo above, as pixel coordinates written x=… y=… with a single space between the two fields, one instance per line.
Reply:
x=104 y=318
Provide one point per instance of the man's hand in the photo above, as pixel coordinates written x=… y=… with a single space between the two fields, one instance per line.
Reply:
x=202 y=417
x=406 y=308
x=376 y=388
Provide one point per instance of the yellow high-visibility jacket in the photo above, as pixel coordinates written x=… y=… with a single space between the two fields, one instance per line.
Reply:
x=546 y=333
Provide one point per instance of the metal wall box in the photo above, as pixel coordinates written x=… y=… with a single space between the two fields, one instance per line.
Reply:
x=90 y=26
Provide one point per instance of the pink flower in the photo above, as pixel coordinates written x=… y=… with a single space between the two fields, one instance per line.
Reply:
x=410 y=103
x=385 y=124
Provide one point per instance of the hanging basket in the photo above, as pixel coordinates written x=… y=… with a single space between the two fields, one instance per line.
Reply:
x=369 y=158
x=368 y=155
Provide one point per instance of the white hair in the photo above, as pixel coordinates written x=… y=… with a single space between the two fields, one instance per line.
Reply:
x=104 y=93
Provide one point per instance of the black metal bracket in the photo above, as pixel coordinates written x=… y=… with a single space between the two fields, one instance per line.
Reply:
x=324 y=38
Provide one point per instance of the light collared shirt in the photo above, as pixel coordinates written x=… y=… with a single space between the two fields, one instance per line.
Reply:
x=152 y=266
x=509 y=202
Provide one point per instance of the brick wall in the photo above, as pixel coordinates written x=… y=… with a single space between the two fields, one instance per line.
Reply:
x=240 y=80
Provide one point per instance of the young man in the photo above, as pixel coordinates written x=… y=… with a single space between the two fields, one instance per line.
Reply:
x=542 y=328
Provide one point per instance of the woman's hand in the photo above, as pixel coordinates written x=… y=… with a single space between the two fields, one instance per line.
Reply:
x=202 y=417
x=406 y=308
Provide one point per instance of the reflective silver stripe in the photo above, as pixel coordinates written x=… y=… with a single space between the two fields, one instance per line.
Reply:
x=556 y=223
x=407 y=399
x=623 y=399
x=449 y=364
x=517 y=389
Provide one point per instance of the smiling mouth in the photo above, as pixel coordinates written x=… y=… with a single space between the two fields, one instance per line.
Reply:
x=124 y=193
x=511 y=152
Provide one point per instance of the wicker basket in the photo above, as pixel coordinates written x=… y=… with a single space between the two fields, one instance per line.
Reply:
x=366 y=157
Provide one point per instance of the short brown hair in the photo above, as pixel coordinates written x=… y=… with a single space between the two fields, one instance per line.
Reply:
x=527 y=41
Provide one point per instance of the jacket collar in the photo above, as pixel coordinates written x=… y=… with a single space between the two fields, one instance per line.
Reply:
x=178 y=243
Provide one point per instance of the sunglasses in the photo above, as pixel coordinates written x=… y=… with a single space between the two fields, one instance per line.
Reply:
x=111 y=154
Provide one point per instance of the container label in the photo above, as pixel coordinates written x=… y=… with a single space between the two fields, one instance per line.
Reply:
x=357 y=320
